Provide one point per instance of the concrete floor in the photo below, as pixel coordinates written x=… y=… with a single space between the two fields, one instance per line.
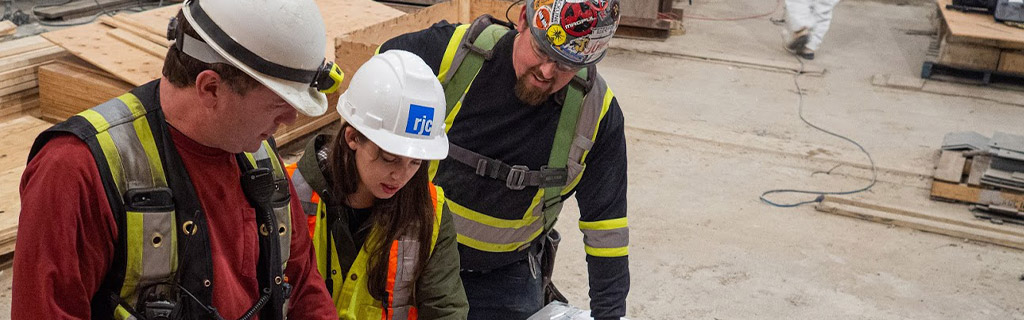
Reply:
x=706 y=138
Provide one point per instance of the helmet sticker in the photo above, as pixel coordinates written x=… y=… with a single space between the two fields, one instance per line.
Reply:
x=595 y=46
x=556 y=35
x=420 y=120
x=542 y=19
x=578 y=19
x=602 y=32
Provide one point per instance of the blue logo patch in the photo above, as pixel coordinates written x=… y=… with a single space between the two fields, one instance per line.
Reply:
x=421 y=120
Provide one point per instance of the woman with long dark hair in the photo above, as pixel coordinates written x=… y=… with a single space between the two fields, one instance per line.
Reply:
x=385 y=245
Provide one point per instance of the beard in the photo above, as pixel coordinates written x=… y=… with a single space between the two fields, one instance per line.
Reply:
x=529 y=94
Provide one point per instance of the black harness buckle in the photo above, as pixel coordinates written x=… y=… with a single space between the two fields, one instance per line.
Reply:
x=516 y=179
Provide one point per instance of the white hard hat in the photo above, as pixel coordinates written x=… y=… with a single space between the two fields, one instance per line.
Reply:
x=280 y=43
x=395 y=100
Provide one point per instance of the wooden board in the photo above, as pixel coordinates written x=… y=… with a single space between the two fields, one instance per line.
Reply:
x=131 y=39
x=58 y=100
x=7 y=28
x=30 y=58
x=969 y=55
x=1008 y=236
x=970 y=194
x=18 y=46
x=950 y=166
x=91 y=43
x=18 y=87
x=10 y=207
x=1011 y=61
x=118 y=22
x=979 y=29
x=22 y=78
x=16 y=137
x=343 y=17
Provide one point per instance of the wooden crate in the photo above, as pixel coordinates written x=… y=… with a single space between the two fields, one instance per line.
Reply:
x=1011 y=61
x=357 y=47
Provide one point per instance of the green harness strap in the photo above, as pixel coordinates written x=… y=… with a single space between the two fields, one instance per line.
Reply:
x=559 y=157
x=467 y=71
x=470 y=66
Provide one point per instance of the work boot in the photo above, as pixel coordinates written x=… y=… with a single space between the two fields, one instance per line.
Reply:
x=800 y=38
x=807 y=54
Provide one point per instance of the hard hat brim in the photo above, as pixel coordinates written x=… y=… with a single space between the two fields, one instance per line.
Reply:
x=301 y=96
x=415 y=148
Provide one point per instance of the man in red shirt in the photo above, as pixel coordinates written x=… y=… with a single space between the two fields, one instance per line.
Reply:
x=170 y=201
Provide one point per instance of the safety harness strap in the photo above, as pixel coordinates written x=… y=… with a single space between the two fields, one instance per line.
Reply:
x=559 y=157
x=516 y=177
x=478 y=43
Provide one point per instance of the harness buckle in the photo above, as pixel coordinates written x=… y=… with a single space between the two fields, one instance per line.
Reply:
x=516 y=179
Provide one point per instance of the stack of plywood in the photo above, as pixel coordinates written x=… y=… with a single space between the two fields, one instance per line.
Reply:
x=91 y=87
x=16 y=137
x=19 y=60
x=130 y=48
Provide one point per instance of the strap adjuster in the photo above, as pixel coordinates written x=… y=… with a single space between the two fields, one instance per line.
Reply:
x=517 y=177
x=553 y=177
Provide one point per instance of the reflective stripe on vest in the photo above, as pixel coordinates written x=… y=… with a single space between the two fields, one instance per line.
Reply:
x=349 y=291
x=282 y=205
x=128 y=145
x=486 y=233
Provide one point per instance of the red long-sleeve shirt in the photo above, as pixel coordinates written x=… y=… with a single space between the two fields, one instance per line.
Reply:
x=66 y=236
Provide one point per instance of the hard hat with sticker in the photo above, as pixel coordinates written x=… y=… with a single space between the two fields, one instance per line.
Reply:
x=556 y=35
x=542 y=20
x=573 y=32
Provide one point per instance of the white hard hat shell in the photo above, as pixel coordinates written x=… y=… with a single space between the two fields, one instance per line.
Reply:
x=395 y=100
x=290 y=33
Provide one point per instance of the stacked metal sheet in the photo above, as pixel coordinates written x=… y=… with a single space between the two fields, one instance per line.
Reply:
x=1007 y=167
x=965 y=141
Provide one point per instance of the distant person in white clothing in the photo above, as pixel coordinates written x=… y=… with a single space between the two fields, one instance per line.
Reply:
x=808 y=21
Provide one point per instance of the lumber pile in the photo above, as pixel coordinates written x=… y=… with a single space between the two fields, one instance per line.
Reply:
x=988 y=173
x=60 y=101
x=975 y=48
x=128 y=50
x=19 y=60
x=16 y=137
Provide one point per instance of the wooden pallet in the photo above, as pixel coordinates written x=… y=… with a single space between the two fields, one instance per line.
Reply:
x=958 y=179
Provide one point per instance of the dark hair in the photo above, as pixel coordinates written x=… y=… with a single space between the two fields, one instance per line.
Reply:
x=409 y=212
x=181 y=70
